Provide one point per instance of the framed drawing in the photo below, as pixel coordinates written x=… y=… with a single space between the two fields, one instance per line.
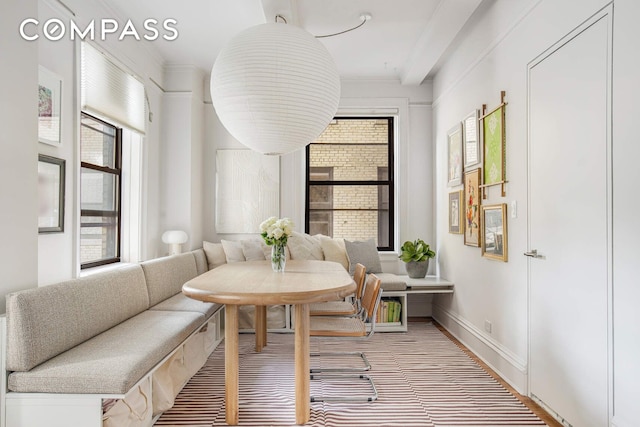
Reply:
x=454 y=153
x=49 y=101
x=456 y=225
x=494 y=159
x=51 y=172
x=494 y=232
x=472 y=199
x=471 y=141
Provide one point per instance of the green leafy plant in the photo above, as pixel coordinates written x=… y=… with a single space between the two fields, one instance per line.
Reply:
x=417 y=251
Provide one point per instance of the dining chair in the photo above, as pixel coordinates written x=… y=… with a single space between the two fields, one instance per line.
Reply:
x=361 y=326
x=343 y=308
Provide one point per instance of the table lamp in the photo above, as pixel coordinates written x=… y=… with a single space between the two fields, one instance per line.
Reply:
x=175 y=239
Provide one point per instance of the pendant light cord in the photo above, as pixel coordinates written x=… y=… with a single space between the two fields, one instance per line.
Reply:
x=364 y=17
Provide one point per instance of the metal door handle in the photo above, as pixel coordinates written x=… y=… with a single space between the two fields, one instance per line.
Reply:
x=534 y=254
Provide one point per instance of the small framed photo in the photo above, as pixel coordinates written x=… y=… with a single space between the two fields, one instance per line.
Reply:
x=51 y=173
x=456 y=224
x=472 y=201
x=454 y=153
x=49 y=102
x=494 y=232
x=471 y=141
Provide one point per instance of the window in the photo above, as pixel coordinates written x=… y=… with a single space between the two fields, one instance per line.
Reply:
x=349 y=182
x=100 y=192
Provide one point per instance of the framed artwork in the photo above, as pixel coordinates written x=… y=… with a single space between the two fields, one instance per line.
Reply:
x=247 y=190
x=49 y=101
x=456 y=217
x=494 y=232
x=471 y=141
x=454 y=152
x=494 y=159
x=472 y=199
x=51 y=180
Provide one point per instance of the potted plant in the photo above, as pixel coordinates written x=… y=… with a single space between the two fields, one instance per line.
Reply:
x=416 y=255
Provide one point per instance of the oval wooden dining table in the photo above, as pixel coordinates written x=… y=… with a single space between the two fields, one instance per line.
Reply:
x=255 y=283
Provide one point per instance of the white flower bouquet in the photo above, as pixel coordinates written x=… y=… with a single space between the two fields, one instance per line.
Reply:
x=276 y=231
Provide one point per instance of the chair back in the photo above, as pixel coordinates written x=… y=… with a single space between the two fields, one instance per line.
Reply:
x=358 y=277
x=371 y=296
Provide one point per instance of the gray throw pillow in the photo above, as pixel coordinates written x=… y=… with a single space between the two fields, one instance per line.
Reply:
x=365 y=253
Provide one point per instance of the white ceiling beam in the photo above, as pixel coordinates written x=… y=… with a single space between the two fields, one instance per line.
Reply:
x=441 y=30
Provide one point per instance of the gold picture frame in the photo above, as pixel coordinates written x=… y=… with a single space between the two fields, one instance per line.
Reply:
x=472 y=201
x=456 y=212
x=494 y=232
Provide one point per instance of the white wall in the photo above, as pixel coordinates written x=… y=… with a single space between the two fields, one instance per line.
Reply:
x=501 y=39
x=18 y=165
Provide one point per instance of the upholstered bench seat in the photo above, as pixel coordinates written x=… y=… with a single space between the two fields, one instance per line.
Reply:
x=181 y=302
x=391 y=282
x=113 y=361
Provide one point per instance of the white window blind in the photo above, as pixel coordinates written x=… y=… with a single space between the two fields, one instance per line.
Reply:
x=108 y=90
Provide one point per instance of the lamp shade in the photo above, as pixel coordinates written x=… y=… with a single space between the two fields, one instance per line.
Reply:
x=275 y=88
x=173 y=237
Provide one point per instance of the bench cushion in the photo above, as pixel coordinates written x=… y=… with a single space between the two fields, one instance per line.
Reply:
x=44 y=322
x=391 y=282
x=165 y=276
x=201 y=261
x=115 y=360
x=181 y=302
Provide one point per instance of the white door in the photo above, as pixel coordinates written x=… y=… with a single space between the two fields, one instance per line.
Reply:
x=569 y=207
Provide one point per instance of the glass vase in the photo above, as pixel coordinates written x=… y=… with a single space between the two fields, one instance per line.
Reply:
x=278 y=258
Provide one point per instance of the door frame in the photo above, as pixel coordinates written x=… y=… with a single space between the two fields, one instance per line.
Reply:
x=605 y=13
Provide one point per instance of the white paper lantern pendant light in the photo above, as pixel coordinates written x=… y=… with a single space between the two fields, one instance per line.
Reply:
x=275 y=88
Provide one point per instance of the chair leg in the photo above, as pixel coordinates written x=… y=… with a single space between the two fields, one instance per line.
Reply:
x=366 y=367
x=352 y=397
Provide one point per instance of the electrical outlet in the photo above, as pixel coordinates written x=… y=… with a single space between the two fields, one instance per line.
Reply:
x=487 y=326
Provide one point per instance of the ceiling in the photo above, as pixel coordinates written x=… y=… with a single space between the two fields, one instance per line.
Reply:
x=405 y=39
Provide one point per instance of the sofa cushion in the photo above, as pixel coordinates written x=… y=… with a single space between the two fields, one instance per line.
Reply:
x=215 y=254
x=391 y=282
x=365 y=253
x=113 y=361
x=334 y=250
x=44 y=322
x=165 y=276
x=181 y=302
x=252 y=249
x=304 y=246
x=233 y=251
x=201 y=261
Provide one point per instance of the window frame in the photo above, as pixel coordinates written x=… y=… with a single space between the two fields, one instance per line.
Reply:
x=117 y=212
x=389 y=182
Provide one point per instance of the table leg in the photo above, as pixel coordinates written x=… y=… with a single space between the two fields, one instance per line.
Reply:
x=303 y=406
x=231 y=370
x=260 y=325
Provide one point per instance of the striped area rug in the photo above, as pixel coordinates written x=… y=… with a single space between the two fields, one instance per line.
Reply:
x=422 y=377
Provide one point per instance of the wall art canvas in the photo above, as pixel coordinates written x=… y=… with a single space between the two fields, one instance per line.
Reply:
x=472 y=199
x=247 y=190
x=49 y=101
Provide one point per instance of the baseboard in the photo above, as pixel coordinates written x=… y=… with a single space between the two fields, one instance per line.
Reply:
x=504 y=362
